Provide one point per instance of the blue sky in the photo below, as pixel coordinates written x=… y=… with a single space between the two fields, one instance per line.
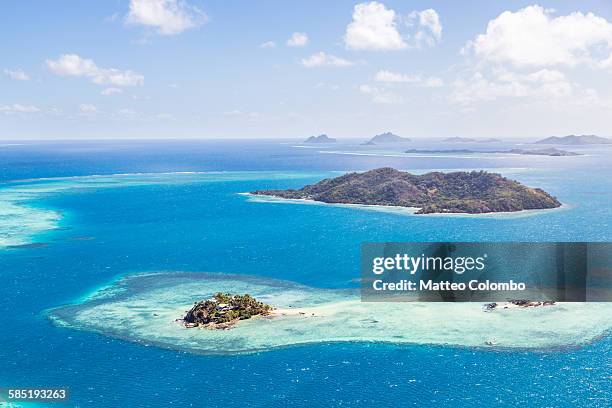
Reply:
x=223 y=69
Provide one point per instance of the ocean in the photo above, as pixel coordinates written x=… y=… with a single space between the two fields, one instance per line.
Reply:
x=76 y=216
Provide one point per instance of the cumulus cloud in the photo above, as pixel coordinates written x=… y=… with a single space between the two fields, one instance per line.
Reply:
x=391 y=77
x=297 y=40
x=380 y=96
x=321 y=59
x=429 y=28
x=533 y=37
x=16 y=74
x=268 y=44
x=17 y=108
x=169 y=17
x=374 y=27
x=74 y=65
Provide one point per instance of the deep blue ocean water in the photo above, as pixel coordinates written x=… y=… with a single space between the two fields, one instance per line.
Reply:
x=206 y=226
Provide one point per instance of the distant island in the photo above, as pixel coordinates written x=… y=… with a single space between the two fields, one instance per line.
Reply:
x=575 y=140
x=458 y=192
x=470 y=140
x=387 y=137
x=535 y=152
x=320 y=139
x=224 y=310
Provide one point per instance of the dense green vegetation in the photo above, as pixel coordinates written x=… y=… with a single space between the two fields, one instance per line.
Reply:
x=223 y=310
x=436 y=192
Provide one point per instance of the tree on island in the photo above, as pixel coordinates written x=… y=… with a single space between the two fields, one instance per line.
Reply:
x=223 y=310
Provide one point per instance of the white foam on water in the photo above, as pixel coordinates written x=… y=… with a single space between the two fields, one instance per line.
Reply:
x=147 y=309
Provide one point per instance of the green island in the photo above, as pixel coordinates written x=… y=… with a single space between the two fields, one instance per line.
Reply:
x=474 y=192
x=224 y=310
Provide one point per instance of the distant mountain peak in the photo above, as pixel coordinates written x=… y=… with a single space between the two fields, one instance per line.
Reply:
x=320 y=139
x=387 y=137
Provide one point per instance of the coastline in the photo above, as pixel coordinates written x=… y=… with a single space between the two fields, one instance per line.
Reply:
x=410 y=211
x=148 y=308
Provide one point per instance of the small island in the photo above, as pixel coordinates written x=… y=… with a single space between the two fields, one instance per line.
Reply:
x=320 y=139
x=459 y=140
x=575 y=140
x=472 y=192
x=552 y=151
x=470 y=140
x=386 y=137
x=224 y=310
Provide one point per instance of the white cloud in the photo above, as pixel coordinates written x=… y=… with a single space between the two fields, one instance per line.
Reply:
x=321 y=59
x=297 y=40
x=111 y=91
x=88 y=109
x=532 y=37
x=380 y=96
x=429 y=28
x=169 y=17
x=16 y=74
x=17 y=108
x=388 y=76
x=374 y=27
x=268 y=44
x=74 y=65
x=544 y=85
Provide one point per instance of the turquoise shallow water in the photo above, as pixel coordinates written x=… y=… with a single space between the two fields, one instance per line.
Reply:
x=145 y=308
x=109 y=227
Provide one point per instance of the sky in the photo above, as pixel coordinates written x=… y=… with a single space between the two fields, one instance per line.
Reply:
x=277 y=69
